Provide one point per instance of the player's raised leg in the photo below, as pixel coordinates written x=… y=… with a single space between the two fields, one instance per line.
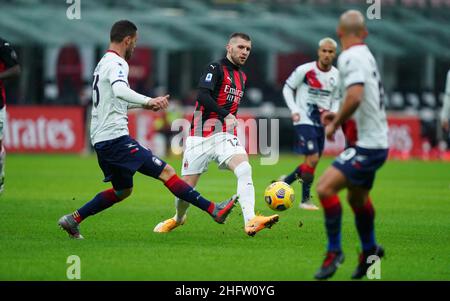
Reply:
x=242 y=169
x=364 y=220
x=181 y=209
x=331 y=182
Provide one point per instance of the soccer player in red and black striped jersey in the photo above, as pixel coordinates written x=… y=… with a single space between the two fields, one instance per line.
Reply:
x=213 y=135
x=9 y=67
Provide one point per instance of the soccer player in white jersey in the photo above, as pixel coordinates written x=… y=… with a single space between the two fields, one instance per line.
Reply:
x=311 y=90
x=355 y=168
x=220 y=90
x=445 y=113
x=120 y=156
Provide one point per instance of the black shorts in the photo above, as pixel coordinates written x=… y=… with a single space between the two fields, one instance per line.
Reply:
x=120 y=158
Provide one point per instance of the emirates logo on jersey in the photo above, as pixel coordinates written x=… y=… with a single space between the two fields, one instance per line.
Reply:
x=233 y=94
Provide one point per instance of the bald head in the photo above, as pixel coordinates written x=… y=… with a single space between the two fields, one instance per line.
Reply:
x=352 y=23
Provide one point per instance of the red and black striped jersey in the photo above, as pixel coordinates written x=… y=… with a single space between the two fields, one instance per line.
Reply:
x=226 y=83
x=8 y=59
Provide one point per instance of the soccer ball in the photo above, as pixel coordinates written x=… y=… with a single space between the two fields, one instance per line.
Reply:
x=279 y=196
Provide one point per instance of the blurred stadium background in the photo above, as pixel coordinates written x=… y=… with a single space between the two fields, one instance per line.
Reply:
x=49 y=104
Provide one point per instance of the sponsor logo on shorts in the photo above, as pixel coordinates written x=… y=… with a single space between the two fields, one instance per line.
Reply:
x=310 y=145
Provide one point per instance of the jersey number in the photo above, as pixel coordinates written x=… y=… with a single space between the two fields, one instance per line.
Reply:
x=96 y=96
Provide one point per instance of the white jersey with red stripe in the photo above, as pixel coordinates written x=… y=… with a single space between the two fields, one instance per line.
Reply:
x=358 y=66
x=316 y=88
x=109 y=113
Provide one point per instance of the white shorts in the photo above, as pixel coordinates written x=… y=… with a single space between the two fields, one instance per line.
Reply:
x=2 y=121
x=199 y=151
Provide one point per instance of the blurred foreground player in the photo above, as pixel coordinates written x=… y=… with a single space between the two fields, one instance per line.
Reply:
x=120 y=156
x=355 y=168
x=213 y=135
x=9 y=67
x=317 y=91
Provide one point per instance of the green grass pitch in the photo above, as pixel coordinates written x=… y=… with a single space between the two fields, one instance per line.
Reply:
x=412 y=202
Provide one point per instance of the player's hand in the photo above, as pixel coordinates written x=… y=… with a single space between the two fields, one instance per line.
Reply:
x=158 y=103
x=330 y=129
x=445 y=125
x=295 y=117
x=327 y=117
x=230 y=121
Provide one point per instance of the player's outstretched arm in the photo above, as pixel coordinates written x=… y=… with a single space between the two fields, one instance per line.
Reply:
x=353 y=98
x=158 y=103
x=136 y=100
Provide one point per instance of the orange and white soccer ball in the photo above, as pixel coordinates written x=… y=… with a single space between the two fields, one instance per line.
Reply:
x=279 y=196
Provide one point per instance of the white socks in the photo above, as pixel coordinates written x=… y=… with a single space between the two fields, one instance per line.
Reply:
x=245 y=190
x=182 y=207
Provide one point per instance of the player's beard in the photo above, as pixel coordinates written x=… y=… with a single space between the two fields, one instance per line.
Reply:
x=128 y=53
x=236 y=60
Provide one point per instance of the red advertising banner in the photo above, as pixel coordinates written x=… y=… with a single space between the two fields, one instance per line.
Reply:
x=44 y=129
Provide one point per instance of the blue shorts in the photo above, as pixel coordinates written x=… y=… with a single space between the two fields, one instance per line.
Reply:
x=359 y=165
x=311 y=139
x=120 y=158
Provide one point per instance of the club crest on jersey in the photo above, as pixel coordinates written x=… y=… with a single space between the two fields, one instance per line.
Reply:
x=208 y=77
x=186 y=164
x=332 y=81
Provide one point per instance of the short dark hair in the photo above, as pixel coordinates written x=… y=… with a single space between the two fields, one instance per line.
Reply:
x=122 y=29
x=240 y=35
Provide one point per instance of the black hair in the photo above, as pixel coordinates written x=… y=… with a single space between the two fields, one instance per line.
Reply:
x=240 y=35
x=122 y=29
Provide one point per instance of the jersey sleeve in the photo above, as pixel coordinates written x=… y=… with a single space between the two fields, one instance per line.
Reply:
x=8 y=55
x=352 y=72
x=210 y=77
x=296 y=78
x=336 y=96
x=118 y=72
